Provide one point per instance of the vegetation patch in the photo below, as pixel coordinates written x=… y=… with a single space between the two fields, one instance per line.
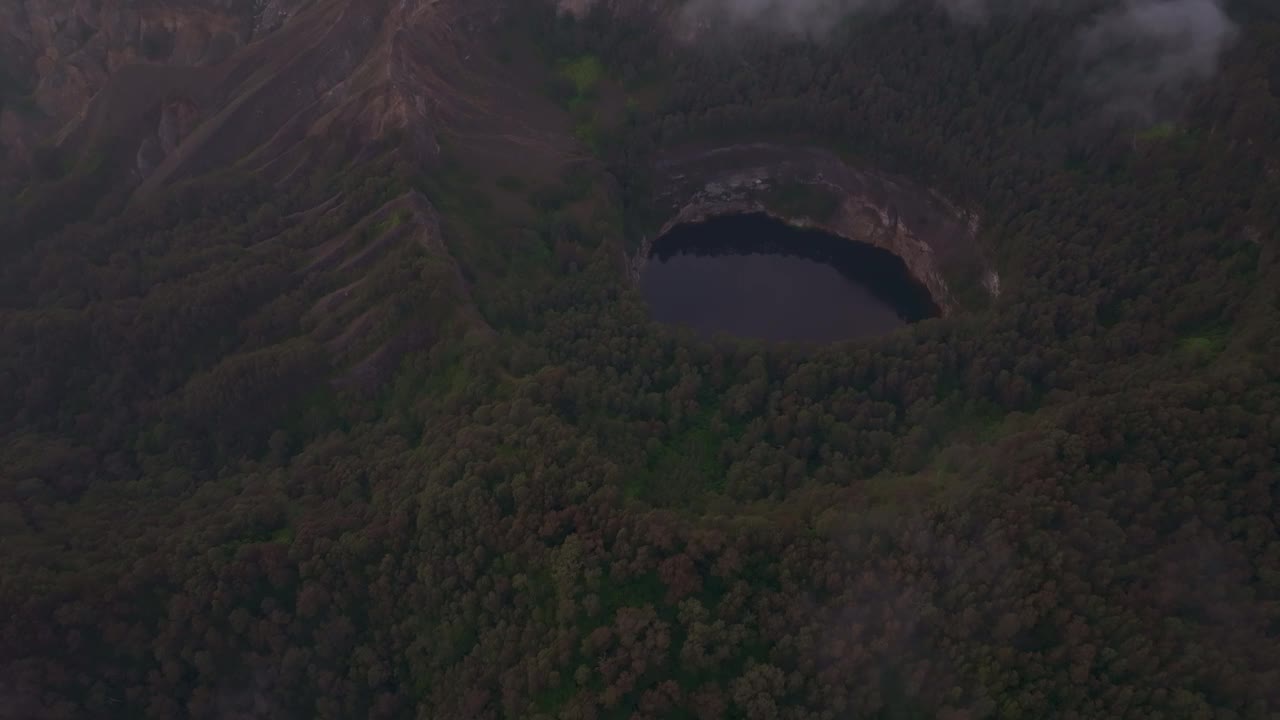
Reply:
x=584 y=73
x=683 y=467
x=807 y=200
x=1205 y=345
x=1159 y=131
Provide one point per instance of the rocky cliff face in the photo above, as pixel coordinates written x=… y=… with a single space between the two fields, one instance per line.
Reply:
x=931 y=235
x=64 y=52
x=180 y=87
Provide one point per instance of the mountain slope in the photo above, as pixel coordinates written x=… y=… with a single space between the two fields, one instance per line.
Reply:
x=335 y=75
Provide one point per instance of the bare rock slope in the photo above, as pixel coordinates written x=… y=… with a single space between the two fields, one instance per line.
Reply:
x=187 y=86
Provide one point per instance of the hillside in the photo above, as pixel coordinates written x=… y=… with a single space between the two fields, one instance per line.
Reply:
x=326 y=389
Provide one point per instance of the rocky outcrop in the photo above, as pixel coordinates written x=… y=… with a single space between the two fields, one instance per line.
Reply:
x=931 y=235
x=59 y=54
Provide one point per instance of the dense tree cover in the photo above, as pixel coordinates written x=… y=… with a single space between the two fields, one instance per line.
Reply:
x=1063 y=506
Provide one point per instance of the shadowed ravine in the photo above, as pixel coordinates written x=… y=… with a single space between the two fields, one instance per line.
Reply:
x=756 y=277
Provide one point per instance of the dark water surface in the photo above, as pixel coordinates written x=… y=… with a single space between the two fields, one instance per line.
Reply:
x=756 y=277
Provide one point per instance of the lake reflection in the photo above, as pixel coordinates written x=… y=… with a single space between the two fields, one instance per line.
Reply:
x=756 y=277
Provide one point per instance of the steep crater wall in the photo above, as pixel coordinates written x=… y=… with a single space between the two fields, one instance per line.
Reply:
x=935 y=239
